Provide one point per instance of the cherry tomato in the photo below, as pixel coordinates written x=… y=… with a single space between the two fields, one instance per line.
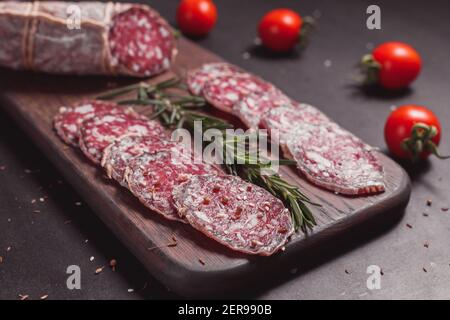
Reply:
x=399 y=64
x=279 y=30
x=400 y=137
x=196 y=17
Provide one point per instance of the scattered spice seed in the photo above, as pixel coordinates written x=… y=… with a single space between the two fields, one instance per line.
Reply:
x=424 y=270
x=130 y=290
x=346 y=271
x=8 y=249
x=2 y=168
x=171 y=245
x=91 y=259
x=33 y=201
x=445 y=209
x=86 y=241
x=44 y=297
x=99 y=270
x=429 y=202
x=426 y=245
x=78 y=203
x=382 y=272
x=1 y=259
x=23 y=296
x=36 y=211
x=201 y=262
x=425 y=214
x=409 y=226
x=41 y=199
x=113 y=264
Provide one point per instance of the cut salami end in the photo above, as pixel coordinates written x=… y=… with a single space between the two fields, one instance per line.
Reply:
x=98 y=133
x=118 y=154
x=142 y=41
x=196 y=78
x=152 y=177
x=335 y=159
x=283 y=120
x=251 y=107
x=224 y=91
x=242 y=216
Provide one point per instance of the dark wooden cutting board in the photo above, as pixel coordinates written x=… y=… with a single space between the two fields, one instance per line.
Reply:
x=197 y=265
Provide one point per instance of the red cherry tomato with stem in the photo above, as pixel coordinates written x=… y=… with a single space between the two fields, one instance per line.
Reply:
x=393 y=65
x=279 y=30
x=413 y=132
x=196 y=17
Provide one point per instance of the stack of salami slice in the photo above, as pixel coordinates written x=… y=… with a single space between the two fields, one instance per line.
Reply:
x=139 y=155
x=85 y=38
x=326 y=154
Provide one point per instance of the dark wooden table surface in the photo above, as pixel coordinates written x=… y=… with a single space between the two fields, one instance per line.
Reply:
x=45 y=226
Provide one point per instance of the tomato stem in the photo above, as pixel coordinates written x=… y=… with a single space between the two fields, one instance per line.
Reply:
x=309 y=23
x=370 y=68
x=420 y=141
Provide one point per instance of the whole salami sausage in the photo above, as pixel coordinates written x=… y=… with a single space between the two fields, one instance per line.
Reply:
x=103 y=38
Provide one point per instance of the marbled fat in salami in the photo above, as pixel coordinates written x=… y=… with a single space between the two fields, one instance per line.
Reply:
x=98 y=133
x=335 y=159
x=224 y=91
x=196 y=78
x=118 y=154
x=282 y=121
x=68 y=121
x=251 y=107
x=242 y=216
x=151 y=177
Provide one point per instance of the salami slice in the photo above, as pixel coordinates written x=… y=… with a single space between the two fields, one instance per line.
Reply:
x=118 y=154
x=242 y=216
x=68 y=121
x=85 y=38
x=282 y=121
x=335 y=159
x=196 y=78
x=98 y=133
x=251 y=107
x=152 y=177
x=224 y=91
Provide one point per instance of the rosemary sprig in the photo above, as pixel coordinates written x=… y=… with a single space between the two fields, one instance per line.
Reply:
x=250 y=168
x=175 y=110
